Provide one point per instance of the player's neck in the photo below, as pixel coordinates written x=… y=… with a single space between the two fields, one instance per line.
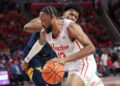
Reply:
x=57 y=27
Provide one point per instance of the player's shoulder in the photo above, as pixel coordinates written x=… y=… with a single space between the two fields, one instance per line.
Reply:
x=73 y=25
x=68 y=21
x=74 y=29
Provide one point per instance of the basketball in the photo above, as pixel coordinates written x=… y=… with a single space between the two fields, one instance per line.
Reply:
x=53 y=73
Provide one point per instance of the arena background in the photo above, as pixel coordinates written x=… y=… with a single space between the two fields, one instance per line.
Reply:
x=100 y=20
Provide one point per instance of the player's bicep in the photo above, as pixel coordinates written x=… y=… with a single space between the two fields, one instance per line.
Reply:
x=75 y=31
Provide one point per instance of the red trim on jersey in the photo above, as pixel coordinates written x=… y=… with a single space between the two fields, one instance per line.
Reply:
x=87 y=66
x=78 y=44
x=82 y=59
x=83 y=66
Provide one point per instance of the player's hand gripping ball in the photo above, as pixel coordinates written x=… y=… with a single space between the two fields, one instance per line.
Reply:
x=53 y=72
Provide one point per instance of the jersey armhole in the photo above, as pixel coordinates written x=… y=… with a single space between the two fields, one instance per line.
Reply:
x=68 y=34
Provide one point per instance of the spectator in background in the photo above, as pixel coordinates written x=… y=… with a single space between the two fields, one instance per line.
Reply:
x=100 y=68
x=17 y=71
x=118 y=53
x=11 y=77
x=2 y=62
x=104 y=59
x=98 y=6
x=116 y=65
x=6 y=50
x=110 y=65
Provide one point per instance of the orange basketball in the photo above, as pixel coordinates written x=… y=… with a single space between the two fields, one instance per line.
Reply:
x=53 y=73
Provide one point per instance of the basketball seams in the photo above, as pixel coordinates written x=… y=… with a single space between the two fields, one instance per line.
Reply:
x=54 y=78
x=50 y=75
x=58 y=74
x=54 y=64
x=53 y=71
x=60 y=71
x=51 y=68
x=46 y=72
x=54 y=75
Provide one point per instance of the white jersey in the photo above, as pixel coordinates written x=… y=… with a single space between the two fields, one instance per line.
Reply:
x=64 y=47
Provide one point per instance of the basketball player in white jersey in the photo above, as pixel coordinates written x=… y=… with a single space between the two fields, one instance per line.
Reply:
x=71 y=45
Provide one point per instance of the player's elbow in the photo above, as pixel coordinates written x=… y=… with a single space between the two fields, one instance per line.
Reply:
x=26 y=27
x=92 y=48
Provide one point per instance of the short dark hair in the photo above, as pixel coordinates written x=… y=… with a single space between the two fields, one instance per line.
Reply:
x=74 y=6
x=50 y=10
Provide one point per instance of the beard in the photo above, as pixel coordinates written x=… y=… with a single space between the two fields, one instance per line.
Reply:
x=49 y=29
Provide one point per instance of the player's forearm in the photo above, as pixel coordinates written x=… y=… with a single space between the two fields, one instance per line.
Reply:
x=35 y=49
x=30 y=44
x=33 y=26
x=86 y=51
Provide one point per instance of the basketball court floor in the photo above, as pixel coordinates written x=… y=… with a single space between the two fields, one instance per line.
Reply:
x=111 y=80
x=108 y=81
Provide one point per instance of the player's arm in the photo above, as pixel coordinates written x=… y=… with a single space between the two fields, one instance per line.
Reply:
x=36 y=47
x=33 y=26
x=33 y=39
x=75 y=31
x=34 y=50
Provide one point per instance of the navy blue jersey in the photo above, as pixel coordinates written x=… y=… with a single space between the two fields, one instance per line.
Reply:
x=44 y=55
x=30 y=44
x=39 y=60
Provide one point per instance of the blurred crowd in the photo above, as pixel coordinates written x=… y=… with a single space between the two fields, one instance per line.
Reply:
x=114 y=9
x=107 y=55
x=108 y=62
x=117 y=16
x=13 y=40
x=12 y=43
x=58 y=1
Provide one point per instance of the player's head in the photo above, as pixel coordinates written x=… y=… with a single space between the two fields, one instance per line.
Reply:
x=47 y=16
x=72 y=11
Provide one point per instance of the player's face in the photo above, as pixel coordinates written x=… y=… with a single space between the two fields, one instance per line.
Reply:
x=45 y=20
x=71 y=14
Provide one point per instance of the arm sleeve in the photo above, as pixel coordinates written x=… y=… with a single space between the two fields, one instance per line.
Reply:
x=34 y=38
